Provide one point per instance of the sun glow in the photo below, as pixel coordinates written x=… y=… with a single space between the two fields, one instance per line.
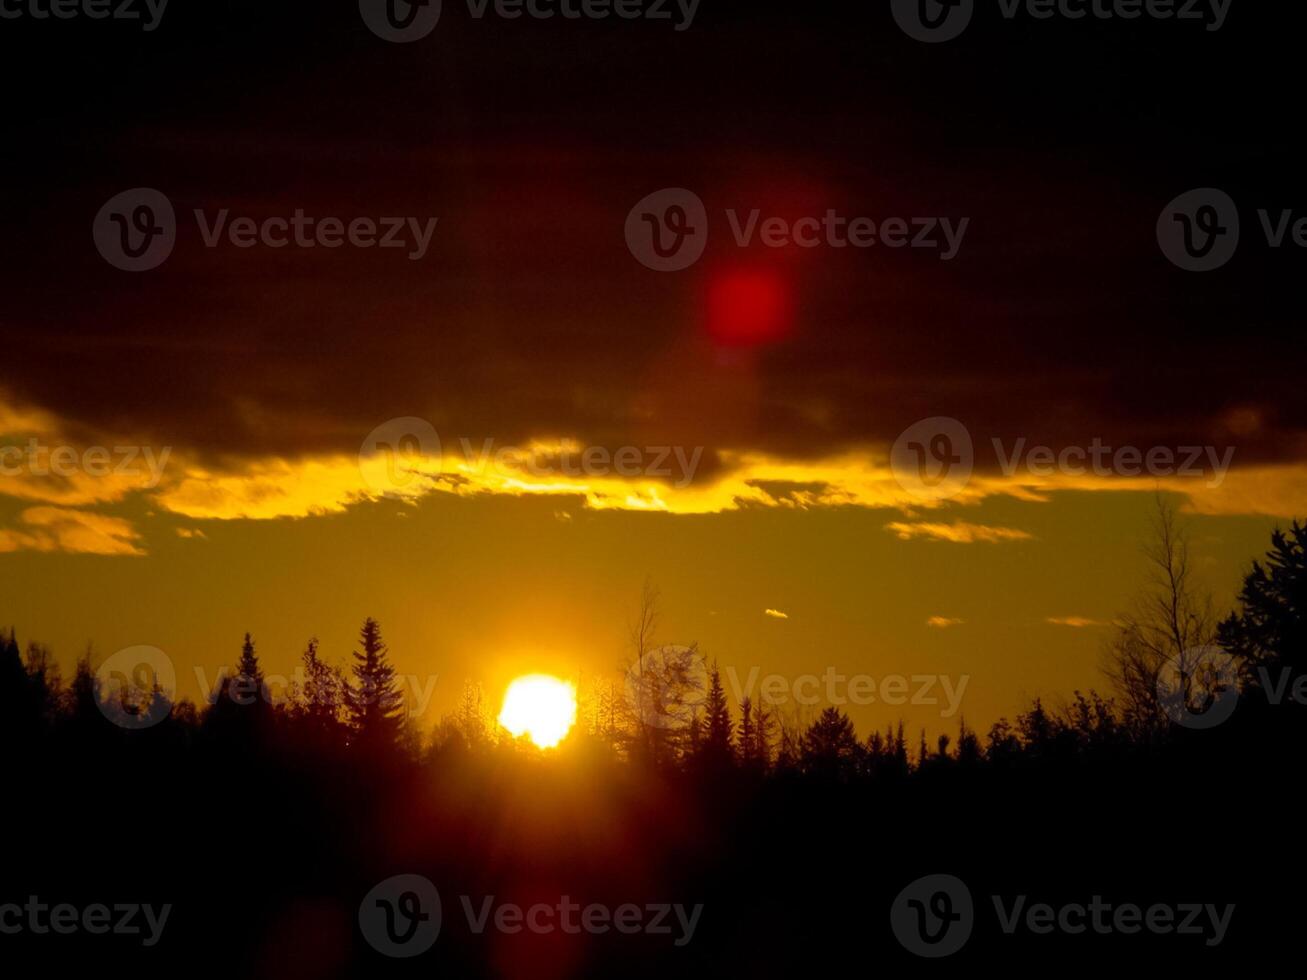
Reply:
x=541 y=707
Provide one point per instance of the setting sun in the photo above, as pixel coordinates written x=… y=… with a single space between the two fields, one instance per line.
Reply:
x=541 y=707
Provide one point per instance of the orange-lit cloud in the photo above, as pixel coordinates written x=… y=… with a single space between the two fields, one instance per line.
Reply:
x=1075 y=622
x=943 y=622
x=959 y=532
x=40 y=462
x=59 y=529
x=267 y=488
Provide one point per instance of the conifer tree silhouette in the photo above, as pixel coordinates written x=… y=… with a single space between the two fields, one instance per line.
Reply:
x=830 y=745
x=1269 y=631
x=373 y=700
x=718 y=726
x=249 y=674
x=745 y=733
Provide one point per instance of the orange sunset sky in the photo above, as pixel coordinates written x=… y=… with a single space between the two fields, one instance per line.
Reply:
x=256 y=375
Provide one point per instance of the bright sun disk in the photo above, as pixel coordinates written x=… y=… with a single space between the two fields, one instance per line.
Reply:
x=541 y=707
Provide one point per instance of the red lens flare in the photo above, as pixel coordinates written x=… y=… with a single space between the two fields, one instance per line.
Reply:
x=747 y=308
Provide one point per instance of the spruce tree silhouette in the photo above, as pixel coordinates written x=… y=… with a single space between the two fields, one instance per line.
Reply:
x=318 y=704
x=830 y=745
x=1269 y=630
x=764 y=734
x=14 y=695
x=714 y=747
x=82 y=697
x=247 y=668
x=745 y=734
x=241 y=713
x=28 y=690
x=374 y=700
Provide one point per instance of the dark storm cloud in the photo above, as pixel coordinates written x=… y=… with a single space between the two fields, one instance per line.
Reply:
x=1058 y=320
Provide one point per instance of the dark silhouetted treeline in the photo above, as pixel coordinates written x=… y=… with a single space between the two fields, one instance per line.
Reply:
x=264 y=822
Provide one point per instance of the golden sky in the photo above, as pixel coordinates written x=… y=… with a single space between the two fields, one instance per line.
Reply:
x=244 y=381
x=484 y=565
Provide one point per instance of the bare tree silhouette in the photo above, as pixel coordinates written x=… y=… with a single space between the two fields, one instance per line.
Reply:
x=1170 y=627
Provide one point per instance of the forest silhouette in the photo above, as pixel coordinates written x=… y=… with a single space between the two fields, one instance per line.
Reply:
x=264 y=821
